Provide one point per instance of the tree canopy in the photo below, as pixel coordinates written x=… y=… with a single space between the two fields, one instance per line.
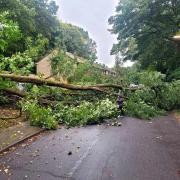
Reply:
x=77 y=41
x=145 y=30
x=9 y=32
x=35 y=18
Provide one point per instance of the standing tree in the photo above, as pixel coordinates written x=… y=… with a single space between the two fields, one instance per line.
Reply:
x=145 y=30
x=75 y=40
x=9 y=33
x=34 y=17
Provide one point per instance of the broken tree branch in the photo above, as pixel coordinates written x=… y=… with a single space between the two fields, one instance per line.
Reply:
x=14 y=92
x=39 y=81
x=108 y=86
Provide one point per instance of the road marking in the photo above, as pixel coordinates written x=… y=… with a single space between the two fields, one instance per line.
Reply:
x=79 y=162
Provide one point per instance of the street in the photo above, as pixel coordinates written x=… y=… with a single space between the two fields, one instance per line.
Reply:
x=138 y=150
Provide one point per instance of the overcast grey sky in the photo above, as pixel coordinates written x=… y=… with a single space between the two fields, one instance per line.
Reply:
x=92 y=15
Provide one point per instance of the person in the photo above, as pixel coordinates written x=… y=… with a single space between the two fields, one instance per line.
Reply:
x=120 y=104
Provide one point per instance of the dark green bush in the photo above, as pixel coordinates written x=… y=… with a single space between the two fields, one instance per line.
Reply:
x=175 y=74
x=156 y=96
x=170 y=96
x=136 y=107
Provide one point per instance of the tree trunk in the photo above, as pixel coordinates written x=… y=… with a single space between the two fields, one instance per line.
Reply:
x=14 y=92
x=40 y=82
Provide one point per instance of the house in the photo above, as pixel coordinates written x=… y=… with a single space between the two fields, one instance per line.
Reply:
x=44 y=66
x=104 y=70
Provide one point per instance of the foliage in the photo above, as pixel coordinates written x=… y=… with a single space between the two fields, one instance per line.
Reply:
x=154 y=97
x=151 y=78
x=145 y=30
x=30 y=28
x=78 y=73
x=135 y=106
x=150 y=102
x=63 y=66
x=9 y=32
x=175 y=75
x=37 y=47
x=106 y=109
x=85 y=73
x=169 y=96
x=24 y=63
x=76 y=116
x=33 y=17
x=39 y=116
x=164 y=95
x=86 y=113
x=130 y=75
x=19 y=63
x=75 y=40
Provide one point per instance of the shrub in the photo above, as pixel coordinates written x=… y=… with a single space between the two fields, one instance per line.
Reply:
x=175 y=74
x=156 y=96
x=170 y=96
x=151 y=78
x=137 y=107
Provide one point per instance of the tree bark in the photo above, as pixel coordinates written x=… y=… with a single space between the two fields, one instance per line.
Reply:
x=40 y=82
x=14 y=92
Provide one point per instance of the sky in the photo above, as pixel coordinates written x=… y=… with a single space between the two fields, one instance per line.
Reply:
x=92 y=16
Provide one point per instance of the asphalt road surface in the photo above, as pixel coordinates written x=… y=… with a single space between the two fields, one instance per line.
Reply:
x=138 y=150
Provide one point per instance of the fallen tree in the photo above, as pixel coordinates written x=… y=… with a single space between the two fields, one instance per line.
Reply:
x=102 y=88
x=13 y=92
x=40 y=82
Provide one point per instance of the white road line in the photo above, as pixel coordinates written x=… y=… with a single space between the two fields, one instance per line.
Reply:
x=79 y=162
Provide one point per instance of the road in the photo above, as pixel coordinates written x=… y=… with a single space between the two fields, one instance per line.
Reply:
x=138 y=150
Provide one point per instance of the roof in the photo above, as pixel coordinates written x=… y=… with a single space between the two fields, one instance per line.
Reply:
x=48 y=56
x=77 y=59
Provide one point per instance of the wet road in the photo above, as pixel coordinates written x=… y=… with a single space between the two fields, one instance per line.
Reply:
x=138 y=150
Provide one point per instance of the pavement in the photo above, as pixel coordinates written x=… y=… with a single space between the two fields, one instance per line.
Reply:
x=137 y=150
x=16 y=134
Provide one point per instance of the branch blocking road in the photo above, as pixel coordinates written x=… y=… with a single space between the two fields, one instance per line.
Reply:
x=40 y=82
